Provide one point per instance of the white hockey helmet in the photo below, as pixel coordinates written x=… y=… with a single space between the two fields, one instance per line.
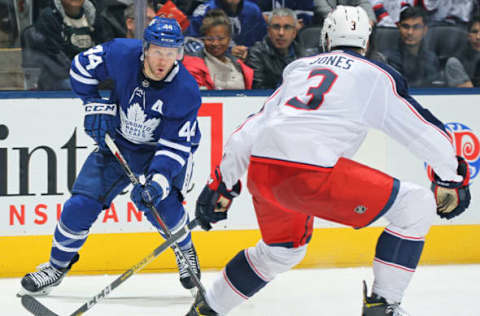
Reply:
x=346 y=26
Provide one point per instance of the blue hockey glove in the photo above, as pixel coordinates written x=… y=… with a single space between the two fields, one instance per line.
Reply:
x=150 y=193
x=453 y=198
x=215 y=200
x=100 y=119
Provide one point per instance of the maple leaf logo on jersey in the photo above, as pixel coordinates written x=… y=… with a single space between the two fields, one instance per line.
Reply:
x=134 y=125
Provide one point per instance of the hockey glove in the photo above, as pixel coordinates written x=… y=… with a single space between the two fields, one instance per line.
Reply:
x=150 y=193
x=452 y=198
x=215 y=200
x=100 y=119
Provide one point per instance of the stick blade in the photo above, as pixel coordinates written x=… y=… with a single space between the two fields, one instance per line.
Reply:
x=35 y=307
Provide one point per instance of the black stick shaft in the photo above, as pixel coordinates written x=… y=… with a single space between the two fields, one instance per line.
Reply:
x=127 y=274
x=38 y=309
x=134 y=180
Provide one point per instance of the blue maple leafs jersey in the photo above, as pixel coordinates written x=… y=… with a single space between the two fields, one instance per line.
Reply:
x=152 y=116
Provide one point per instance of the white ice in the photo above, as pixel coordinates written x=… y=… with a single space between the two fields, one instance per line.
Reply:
x=434 y=291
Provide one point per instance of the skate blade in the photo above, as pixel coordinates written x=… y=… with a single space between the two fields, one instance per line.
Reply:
x=44 y=292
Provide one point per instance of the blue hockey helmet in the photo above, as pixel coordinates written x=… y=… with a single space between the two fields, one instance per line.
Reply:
x=163 y=32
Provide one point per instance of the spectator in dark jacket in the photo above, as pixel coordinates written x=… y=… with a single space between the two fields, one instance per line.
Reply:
x=214 y=67
x=269 y=57
x=463 y=69
x=413 y=60
x=303 y=9
x=68 y=27
x=246 y=18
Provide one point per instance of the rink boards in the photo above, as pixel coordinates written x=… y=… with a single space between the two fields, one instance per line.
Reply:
x=42 y=147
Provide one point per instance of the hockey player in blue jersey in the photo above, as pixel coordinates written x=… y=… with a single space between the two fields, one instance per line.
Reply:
x=152 y=115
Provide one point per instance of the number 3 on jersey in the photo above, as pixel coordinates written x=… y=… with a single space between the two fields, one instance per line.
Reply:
x=317 y=92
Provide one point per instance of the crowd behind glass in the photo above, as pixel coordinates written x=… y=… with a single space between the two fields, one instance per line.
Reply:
x=240 y=44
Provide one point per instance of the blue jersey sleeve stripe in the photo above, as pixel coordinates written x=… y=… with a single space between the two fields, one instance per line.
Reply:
x=169 y=154
x=173 y=145
x=80 y=68
x=426 y=116
x=82 y=79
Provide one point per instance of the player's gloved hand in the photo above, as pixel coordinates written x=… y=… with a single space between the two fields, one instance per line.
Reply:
x=215 y=200
x=100 y=119
x=150 y=193
x=453 y=198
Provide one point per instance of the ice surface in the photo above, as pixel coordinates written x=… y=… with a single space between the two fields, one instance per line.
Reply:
x=434 y=291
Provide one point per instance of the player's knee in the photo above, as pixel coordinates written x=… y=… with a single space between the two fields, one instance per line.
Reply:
x=270 y=261
x=426 y=202
x=80 y=212
x=419 y=212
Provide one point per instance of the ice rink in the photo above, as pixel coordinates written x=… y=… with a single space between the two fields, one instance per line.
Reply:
x=434 y=291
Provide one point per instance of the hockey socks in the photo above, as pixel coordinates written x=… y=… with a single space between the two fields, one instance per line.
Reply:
x=396 y=259
x=238 y=282
x=72 y=229
x=242 y=277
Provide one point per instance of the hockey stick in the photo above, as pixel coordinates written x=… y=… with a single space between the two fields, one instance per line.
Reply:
x=38 y=309
x=134 y=180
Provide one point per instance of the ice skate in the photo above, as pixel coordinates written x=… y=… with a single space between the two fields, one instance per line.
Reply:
x=42 y=281
x=375 y=305
x=185 y=278
x=200 y=308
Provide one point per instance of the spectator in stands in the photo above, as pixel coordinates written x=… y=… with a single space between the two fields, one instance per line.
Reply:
x=452 y=12
x=8 y=25
x=269 y=57
x=186 y=6
x=113 y=14
x=68 y=27
x=246 y=19
x=463 y=70
x=130 y=18
x=214 y=67
x=412 y=59
x=388 y=12
x=303 y=9
x=322 y=8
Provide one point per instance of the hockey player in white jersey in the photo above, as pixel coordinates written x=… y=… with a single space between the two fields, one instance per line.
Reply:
x=297 y=151
x=152 y=114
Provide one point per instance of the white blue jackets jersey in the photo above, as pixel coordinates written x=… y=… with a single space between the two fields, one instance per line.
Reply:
x=323 y=111
x=160 y=117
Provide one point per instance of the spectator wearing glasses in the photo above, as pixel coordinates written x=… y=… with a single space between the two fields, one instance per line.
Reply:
x=412 y=59
x=463 y=70
x=269 y=57
x=248 y=24
x=215 y=68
